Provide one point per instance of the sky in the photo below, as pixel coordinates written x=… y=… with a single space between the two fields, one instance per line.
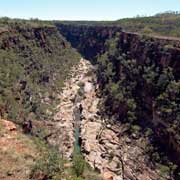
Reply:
x=84 y=9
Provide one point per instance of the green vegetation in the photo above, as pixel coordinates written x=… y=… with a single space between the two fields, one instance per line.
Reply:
x=126 y=83
x=139 y=92
x=120 y=87
x=11 y=24
x=51 y=166
x=166 y=24
x=81 y=170
x=35 y=60
x=78 y=164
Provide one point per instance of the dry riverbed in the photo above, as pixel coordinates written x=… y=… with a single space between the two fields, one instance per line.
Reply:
x=104 y=146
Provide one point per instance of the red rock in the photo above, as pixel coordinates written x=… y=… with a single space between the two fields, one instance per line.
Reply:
x=10 y=126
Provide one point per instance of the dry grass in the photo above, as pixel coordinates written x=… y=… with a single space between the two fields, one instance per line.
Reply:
x=17 y=154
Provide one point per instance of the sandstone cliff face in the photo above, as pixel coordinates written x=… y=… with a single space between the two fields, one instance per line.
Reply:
x=164 y=52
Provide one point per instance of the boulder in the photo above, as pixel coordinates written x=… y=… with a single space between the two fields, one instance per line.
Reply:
x=88 y=87
x=87 y=147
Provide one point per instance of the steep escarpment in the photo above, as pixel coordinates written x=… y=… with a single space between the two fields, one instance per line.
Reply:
x=141 y=77
x=139 y=82
x=89 y=40
x=34 y=60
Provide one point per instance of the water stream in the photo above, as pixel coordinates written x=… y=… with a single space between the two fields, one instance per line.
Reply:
x=77 y=120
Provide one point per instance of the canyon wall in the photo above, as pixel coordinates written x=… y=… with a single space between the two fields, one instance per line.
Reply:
x=89 y=40
x=35 y=61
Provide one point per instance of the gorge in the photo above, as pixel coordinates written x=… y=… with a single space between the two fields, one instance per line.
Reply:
x=147 y=52
x=127 y=85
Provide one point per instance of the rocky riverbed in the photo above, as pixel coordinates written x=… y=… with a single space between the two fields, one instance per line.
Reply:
x=104 y=145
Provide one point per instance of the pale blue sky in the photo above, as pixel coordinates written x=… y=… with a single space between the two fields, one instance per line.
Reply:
x=84 y=9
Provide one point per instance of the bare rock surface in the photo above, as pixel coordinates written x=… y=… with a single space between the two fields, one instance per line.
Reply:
x=63 y=135
x=98 y=142
x=104 y=146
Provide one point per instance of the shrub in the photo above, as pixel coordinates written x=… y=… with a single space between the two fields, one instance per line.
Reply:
x=78 y=165
x=49 y=165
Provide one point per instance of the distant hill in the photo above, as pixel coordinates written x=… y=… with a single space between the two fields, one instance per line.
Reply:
x=163 y=24
x=166 y=24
